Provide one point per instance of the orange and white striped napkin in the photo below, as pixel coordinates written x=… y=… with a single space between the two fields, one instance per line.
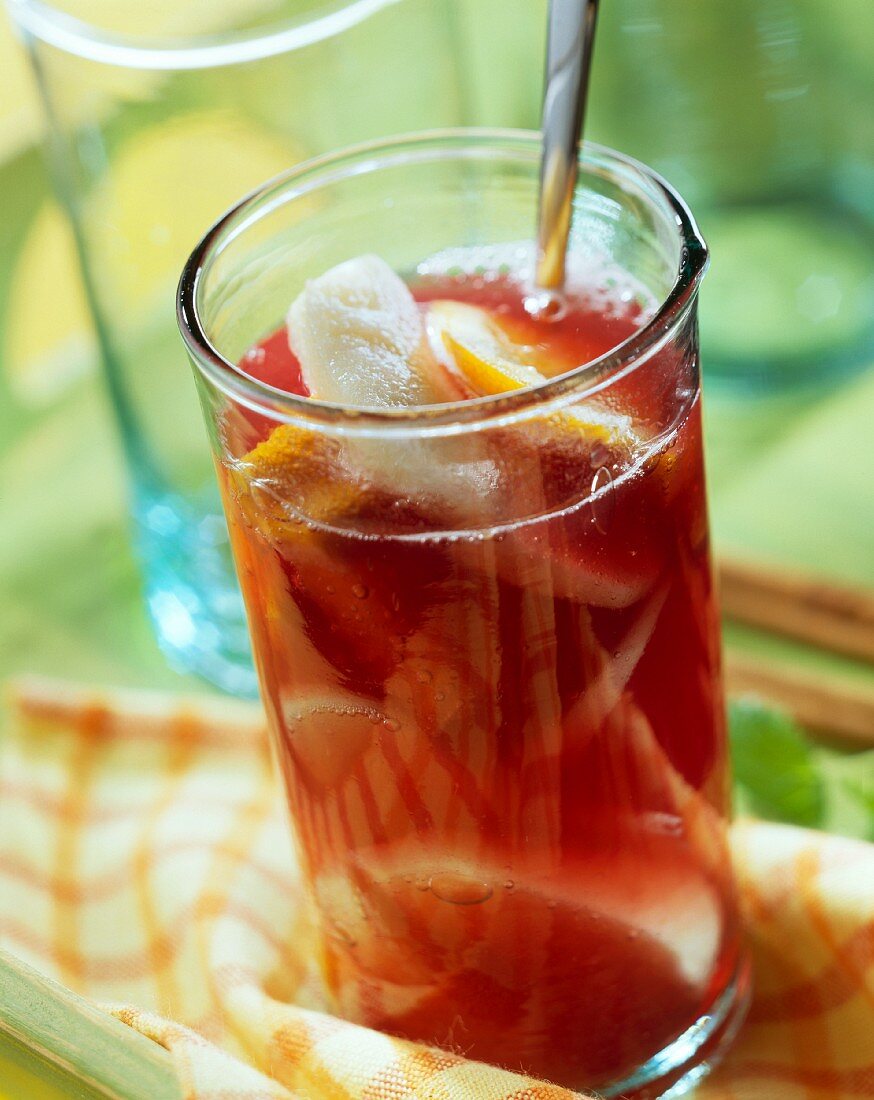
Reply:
x=145 y=863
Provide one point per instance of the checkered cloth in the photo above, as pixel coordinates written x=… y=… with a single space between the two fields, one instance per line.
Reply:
x=145 y=862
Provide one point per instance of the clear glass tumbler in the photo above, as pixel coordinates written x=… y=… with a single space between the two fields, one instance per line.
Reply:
x=161 y=115
x=488 y=645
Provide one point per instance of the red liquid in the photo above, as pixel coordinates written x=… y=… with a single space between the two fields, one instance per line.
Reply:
x=505 y=755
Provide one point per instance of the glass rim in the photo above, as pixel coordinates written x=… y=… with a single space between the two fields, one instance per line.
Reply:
x=76 y=36
x=581 y=382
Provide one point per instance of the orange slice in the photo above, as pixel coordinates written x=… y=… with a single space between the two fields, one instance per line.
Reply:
x=491 y=363
x=294 y=475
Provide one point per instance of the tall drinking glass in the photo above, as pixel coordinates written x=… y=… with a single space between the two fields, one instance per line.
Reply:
x=485 y=631
x=160 y=116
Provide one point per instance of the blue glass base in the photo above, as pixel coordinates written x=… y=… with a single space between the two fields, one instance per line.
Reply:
x=677 y=1069
x=192 y=592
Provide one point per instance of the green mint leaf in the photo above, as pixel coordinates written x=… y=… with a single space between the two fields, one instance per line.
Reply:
x=863 y=794
x=775 y=771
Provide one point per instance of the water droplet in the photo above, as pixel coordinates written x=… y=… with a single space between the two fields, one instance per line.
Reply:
x=551 y=904
x=424 y=676
x=603 y=501
x=423 y=883
x=633 y=934
x=459 y=889
x=439 y=696
x=666 y=824
x=360 y=591
x=391 y=724
x=509 y=884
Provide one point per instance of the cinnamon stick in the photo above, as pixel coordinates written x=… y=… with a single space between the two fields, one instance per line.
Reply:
x=826 y=705
x=836 y=617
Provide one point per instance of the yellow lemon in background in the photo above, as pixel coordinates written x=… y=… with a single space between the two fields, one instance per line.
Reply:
x=48 y=337
x=149 y=20
x=20 y=116
x=49 y=340
x=164 y=186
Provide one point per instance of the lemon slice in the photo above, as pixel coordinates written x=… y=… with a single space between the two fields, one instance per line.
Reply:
x=168 y=18
x=139 y=223
x=50 y=345
x=164 y=187
x=20 y=115
x=491 y=363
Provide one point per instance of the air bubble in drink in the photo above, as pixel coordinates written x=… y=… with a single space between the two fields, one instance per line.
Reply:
x=545 y=305
x=459 y=889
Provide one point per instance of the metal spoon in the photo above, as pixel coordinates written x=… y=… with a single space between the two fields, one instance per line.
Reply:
x=570 y=36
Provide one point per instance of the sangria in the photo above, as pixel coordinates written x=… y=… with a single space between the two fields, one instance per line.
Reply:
x=479 y=591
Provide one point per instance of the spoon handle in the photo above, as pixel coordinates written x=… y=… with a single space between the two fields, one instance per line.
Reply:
x=570 y=36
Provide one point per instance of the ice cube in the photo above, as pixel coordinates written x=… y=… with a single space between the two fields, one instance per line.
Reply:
x=361 y=341
x=358 y=334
